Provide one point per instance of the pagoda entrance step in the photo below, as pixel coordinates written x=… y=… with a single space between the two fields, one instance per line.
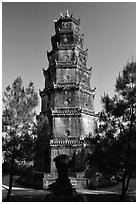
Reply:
x=77 y=183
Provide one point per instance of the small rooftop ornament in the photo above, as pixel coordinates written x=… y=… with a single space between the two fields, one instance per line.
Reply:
x=55 y=20
x=67 y=14
x=61 y=15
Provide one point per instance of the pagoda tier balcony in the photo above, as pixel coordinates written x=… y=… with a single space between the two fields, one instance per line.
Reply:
x=68 y=86
x=70 y=111
x=64 y=86
x=75 y=86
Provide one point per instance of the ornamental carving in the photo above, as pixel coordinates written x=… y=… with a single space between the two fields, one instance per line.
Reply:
x=65 y=39
x=66 y=102
x=66 y=77
x=66 y=25
x=67 y=133
x=66 y=142
x=66 y=111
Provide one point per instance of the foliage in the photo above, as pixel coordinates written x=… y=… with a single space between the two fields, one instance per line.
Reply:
x=116 y=142
x=18 y=119
x=18 y=123
x=43 y=153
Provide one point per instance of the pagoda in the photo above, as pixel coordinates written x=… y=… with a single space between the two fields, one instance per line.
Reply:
x=67 y=100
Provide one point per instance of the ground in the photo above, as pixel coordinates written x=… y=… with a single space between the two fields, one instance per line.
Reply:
x=20 y=194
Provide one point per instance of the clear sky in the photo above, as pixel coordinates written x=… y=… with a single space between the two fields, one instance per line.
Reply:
x=109 y=32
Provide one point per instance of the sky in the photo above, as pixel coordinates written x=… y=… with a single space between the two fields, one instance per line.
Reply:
x=109 y=34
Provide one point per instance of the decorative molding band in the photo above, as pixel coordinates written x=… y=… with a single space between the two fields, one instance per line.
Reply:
x=66 y=47
x=71 y=47
x=66 y=86
x=66 y=142
x=71 y=64
x=70 y=111
x=63 y=86
x=87 y=111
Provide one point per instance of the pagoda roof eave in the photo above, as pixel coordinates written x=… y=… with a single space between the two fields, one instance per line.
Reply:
x=68 y=86
x=66 y=47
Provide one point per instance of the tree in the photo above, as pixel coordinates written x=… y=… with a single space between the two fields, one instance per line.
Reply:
x=18 y=124
x=115 y=151
x=126 y=87
x=42 y=155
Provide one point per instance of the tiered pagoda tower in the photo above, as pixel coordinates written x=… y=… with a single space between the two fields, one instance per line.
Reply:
x=67 y=98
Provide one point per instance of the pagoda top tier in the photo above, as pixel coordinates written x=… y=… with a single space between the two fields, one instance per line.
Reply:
x=66 y=22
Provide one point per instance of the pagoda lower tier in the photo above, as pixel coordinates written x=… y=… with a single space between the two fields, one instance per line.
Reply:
x=68 y=146
x=71 y=121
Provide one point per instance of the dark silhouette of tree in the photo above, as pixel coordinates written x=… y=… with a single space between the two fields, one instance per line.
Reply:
x=18 y=124
x=115 y=151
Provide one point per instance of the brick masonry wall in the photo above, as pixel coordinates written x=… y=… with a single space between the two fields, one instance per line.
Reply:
x=55 y=151
x=66 y=75
x=88 y=125
x=66 y=99
x=71 y=124
x=72 y=75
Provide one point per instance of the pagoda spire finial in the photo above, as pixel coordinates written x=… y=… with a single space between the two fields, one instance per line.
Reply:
x=67 y=14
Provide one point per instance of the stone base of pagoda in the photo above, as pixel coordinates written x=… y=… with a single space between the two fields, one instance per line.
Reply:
x=78 y=181
x=67 y=146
